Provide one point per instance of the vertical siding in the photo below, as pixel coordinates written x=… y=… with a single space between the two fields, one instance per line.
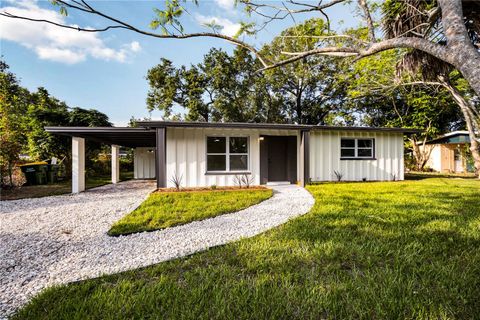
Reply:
x=325 y=157
x=143 y=163
x=186 y=154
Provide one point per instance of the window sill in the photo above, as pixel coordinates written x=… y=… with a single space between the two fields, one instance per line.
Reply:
x=358 y=158
x=221 y=173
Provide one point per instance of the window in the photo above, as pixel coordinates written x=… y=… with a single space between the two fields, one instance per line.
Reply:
x=227 y=154
x=357 y=148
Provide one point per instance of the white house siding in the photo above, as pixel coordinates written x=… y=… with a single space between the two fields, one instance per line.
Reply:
x=435 y=160
x=325 y=157
x=186 y=154
x=144 y=163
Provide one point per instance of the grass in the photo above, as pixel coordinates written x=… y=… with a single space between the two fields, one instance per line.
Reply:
x=58 y=188
x=167 y=209
x=383 y=250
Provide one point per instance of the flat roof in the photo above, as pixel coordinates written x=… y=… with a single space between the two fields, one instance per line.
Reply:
x=144 y=136
x=277 y=126
x=456 y=137
x=122 y=136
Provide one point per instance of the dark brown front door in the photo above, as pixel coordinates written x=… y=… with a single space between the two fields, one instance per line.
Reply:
x=278 y=159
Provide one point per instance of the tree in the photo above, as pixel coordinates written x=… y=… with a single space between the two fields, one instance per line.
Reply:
x=388 y=100
x=312 y=89
x=13 y=105
x=221 y=88
x=44 y=110
x=227 y=87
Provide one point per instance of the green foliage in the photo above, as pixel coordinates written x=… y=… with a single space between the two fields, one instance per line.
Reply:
x=167 y=209
x=25 y=114
x=371 y=250
x=13 y=106
x=312 y=90
x=227 y=87
x=221 y=88
x=168 y=17
x=378 y=94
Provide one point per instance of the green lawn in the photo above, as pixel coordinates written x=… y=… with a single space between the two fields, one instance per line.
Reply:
x=166 y=209
x=393 y=250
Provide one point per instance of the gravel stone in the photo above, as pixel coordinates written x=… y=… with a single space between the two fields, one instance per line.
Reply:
x=59 y=239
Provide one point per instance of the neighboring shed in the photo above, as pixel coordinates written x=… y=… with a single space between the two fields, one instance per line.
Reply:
x=450 y=153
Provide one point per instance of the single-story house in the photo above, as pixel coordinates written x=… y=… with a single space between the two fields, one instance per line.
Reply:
x=204 y=154
x=450 y=153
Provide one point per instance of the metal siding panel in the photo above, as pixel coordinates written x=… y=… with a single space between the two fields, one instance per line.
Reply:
x=401 y=159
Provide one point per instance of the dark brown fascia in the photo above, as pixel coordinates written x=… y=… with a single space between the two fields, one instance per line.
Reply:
x=277 y=126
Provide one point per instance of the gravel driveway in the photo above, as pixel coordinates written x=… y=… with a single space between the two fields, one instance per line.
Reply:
x=59 y=239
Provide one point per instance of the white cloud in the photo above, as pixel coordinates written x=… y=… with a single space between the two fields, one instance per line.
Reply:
x=229 y=28
x=226 y=4
x=135 y=46
x=53 y=43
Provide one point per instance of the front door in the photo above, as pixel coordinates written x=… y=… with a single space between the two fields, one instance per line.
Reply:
x=278 y=158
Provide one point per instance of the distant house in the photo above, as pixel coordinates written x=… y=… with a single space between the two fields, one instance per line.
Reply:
x=205 y=154
x=450 y=153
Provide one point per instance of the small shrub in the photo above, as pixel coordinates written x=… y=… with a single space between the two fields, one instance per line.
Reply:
x=238 y=181
x=338 y=175
x=177 y=181
x=247 y=180
x=213 y=187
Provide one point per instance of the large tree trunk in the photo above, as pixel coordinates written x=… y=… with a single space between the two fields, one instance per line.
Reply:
x=472 y=120
x=461 y=52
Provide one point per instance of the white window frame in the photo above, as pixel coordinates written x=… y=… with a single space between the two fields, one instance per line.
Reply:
x=227 y=154
x=355 y=148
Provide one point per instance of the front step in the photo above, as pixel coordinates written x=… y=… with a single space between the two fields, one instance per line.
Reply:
x=278 y=183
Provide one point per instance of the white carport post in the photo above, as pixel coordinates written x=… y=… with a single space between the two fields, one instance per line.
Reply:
x=78 y=164
x=115 y=163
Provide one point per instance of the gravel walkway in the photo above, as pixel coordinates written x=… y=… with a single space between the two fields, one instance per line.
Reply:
x=60 y=239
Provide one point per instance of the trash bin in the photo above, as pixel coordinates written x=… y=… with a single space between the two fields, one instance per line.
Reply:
x=35 y=173
x=52 y=173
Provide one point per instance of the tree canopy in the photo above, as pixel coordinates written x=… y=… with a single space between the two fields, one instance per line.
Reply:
x=23 y=116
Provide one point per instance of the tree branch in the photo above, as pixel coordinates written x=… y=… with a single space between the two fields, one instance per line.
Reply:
x=368 y=17
x=123 y=25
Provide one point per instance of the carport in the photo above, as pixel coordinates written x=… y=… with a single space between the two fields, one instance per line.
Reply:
x=116 y=137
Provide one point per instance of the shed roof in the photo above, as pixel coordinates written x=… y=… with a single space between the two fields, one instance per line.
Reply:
x=456 y=137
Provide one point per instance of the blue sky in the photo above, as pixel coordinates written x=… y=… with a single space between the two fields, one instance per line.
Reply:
x=106 y=71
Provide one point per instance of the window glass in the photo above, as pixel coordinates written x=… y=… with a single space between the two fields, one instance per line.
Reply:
x=216 y=163
x=348 y=153
x=364 y=153
x=348 y=143
x=238 y=162
x=238 y=145
x=216 y=145
x=356 y=148
x=363 y=143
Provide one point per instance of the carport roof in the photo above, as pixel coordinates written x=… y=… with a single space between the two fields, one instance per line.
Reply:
x=126 y=137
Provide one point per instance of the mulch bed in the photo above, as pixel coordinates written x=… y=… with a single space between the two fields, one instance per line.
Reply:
x=204 y=189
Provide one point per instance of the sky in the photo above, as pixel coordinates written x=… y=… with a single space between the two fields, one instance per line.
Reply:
x=106 y=71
